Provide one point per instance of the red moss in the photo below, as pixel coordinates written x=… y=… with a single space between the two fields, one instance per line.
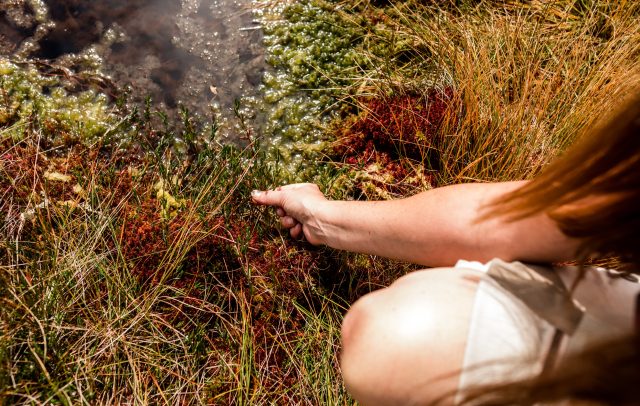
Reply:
x=391 y=130
x=229 y=266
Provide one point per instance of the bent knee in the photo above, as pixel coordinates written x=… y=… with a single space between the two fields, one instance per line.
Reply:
x=404 y=344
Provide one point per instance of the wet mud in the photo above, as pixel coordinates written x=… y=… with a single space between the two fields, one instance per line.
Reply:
x=201 y=54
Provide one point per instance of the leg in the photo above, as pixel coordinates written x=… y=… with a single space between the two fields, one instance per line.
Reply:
x=405 y=344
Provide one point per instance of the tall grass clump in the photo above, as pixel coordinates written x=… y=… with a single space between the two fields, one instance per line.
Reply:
x=522 y=79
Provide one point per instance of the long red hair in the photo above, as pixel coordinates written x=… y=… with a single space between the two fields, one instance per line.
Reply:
x=593 y=194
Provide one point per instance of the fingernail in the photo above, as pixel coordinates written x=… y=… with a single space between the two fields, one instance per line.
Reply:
x=256 y=193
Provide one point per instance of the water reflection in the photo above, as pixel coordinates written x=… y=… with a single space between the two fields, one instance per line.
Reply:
x=192 y=52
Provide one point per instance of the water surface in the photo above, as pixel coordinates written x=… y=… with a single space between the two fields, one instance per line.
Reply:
x=202 y=54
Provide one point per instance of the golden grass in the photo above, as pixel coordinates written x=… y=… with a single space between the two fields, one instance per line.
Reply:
x=529 y=76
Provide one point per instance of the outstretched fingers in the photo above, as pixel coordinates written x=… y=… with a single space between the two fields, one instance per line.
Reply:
x=267 y=197
x=296 y=205
x=276 y=197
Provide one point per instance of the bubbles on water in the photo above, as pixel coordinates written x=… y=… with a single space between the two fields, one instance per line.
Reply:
x=40 y=10
x=173 y=51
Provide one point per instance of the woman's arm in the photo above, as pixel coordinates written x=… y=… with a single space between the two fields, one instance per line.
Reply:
x=434 y=228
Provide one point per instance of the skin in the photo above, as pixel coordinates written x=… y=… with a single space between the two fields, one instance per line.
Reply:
x=405 y=344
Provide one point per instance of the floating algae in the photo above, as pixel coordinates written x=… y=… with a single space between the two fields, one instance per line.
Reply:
x=312 y=52
x=205 y=56
x=28 y=97
x=175 y=51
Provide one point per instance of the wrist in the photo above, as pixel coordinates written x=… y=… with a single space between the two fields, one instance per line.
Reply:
x=319 y=223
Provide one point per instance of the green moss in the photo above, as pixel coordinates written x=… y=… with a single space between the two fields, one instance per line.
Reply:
x=314 y=55
x=29 y=98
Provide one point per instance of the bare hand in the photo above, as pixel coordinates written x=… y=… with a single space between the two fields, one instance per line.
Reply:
x=297 y=205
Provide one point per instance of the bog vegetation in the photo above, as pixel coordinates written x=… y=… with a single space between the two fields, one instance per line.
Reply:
x=133 y=268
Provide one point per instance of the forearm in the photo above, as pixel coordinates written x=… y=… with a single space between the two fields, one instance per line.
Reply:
x=440 y=226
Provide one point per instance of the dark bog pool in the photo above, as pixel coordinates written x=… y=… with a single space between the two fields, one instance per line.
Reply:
x=202 y=54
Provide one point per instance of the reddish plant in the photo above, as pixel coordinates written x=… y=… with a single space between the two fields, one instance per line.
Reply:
x=391 y=130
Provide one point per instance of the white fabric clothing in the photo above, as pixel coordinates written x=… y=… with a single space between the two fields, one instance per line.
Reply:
x=521 y=311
